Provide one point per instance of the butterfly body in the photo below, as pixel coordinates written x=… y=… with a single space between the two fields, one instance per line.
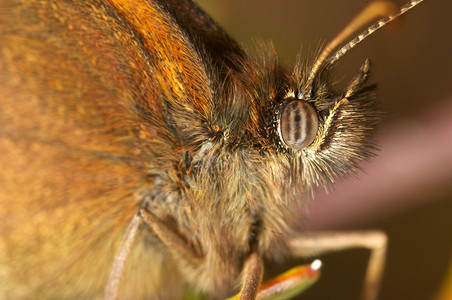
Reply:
x=97 y=130
x=109 y=107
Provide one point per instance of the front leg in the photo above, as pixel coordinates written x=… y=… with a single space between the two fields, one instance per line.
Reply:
x=314 y=244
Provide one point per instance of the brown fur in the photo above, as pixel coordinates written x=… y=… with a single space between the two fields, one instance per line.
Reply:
x=107 y=106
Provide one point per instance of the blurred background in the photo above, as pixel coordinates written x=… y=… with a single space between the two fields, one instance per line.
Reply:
x=407 y=190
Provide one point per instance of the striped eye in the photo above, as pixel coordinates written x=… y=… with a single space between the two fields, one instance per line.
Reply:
x=298 y=124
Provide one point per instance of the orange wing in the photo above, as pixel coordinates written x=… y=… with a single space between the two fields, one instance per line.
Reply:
x=94 y=98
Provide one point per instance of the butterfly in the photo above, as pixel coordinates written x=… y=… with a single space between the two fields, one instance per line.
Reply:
x=144 y=151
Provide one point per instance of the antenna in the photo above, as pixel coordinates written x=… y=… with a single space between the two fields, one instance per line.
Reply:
x=387 y=9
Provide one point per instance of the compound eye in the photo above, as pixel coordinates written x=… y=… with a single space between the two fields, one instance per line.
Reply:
x=298 y=124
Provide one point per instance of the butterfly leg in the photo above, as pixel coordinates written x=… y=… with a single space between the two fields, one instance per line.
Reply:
x=172 y=239
x=252 y=277
x=313 y=244
x=176 y=243
x=117 y=269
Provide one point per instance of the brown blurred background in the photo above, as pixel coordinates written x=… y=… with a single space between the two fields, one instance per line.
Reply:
x=407 y=190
